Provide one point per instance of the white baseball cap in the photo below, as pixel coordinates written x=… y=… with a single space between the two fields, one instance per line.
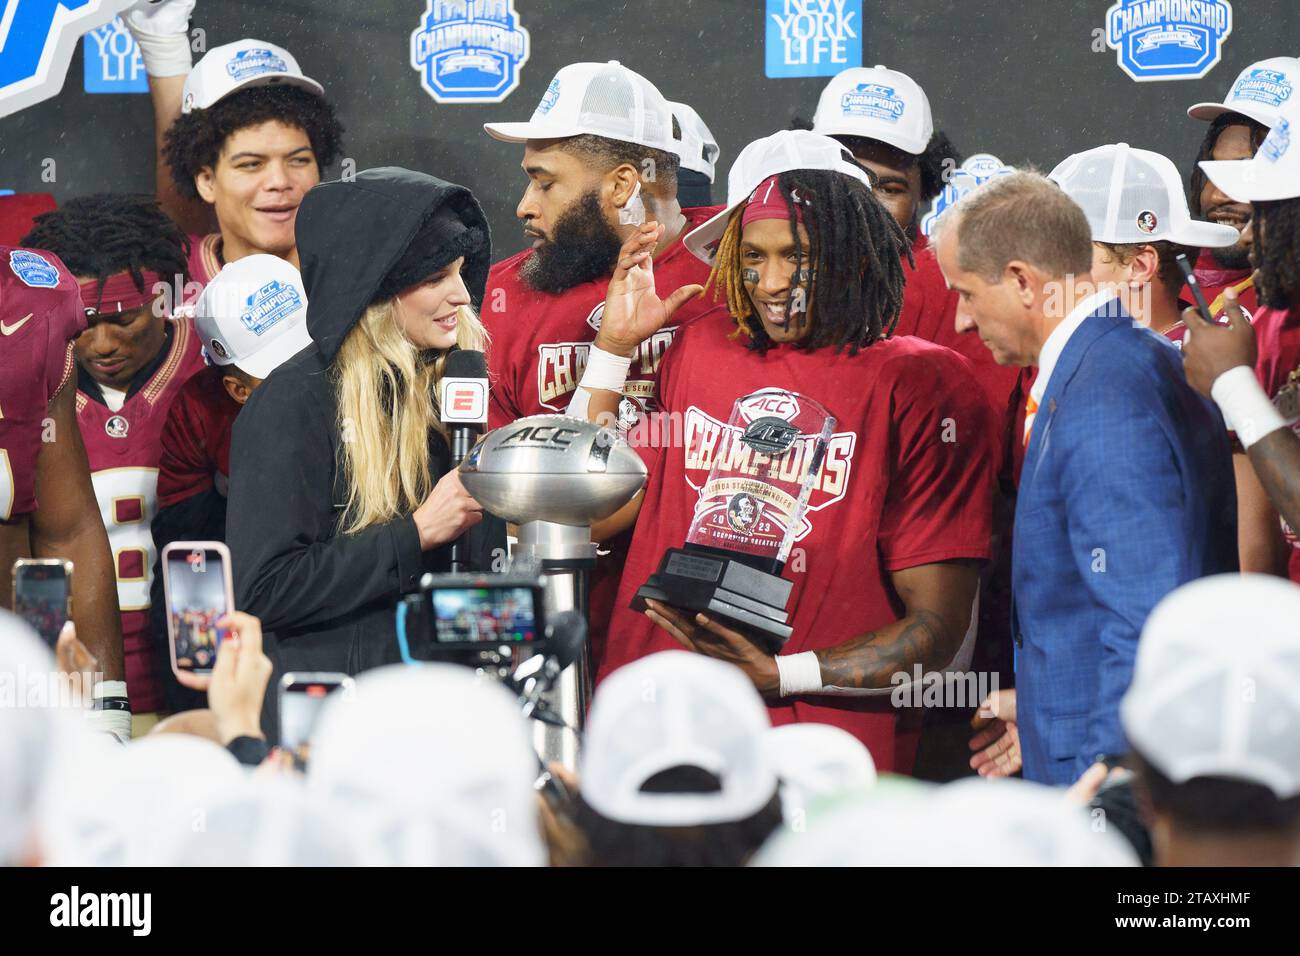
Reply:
x=442 y=758
x=1134 y=195
x=236 y=66
x=253 y=314
x=600 y=99
x=816 y=762
x=1274 y=171
x=675 y=709
x=1261 y=92
x=1216 y=686
x=698 y=149
x=781 y=152
x=974 y=822
x=878 y=103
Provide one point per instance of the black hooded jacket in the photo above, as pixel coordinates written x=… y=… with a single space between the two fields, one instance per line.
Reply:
x=326 y=599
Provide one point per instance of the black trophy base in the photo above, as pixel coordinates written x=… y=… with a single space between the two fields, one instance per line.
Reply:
x=727 y=587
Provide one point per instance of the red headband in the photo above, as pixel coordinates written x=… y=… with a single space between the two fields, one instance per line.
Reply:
x=766 y=202
x=119 y=293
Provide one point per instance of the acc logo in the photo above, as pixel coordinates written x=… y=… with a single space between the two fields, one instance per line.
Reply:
x=769 y=402
x=1277 y=142
x=470 y=51
x=37 y=39
x=975 y=172
x=770 y=435
x=33 y=269
x=873 y=101
x=268 y=305
x=116 y=427
x=1270 y=87
x=248 y=63
x=1168 y=39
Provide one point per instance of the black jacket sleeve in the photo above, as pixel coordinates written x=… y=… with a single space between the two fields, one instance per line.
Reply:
x=291 y=568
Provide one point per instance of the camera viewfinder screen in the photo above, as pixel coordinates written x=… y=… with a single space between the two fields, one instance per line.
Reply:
x=485 y=615
x=196 y=585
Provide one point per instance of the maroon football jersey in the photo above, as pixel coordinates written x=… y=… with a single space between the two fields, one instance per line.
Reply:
x=40 y=316
x=205 y=259
x=196 y=439
x=124 y=448
x=1277 y=332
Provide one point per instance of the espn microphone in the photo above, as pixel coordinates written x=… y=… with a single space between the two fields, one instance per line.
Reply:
x=463 y=401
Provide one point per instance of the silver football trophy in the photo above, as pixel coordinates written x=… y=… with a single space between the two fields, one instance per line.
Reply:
x=749 y=514
x=553 y=476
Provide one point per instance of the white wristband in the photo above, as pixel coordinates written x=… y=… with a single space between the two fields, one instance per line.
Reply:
x=164 y=55
x=605 y=370
x=1244 y=404
x=799 y=673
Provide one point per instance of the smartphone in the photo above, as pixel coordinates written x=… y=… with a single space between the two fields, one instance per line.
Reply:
x=43 y=595
x=198 y=592
x=301 y=697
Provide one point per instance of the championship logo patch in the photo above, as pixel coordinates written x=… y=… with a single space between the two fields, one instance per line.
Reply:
x=471 y=51
x=116 y=427
x=550 y=97
x=975 y=172
x=873 y=101
x=1262 y=85
x=268 y=305
x=33 y=269
x=250 y=63
x=1168 y=39
x=1277 y=142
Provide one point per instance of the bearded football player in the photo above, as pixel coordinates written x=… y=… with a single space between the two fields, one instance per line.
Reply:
x=886 y=560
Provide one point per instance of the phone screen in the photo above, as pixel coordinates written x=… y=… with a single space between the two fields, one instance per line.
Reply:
x=503 y=615
x=41 y=598
x=196 y=600
x=301 y=699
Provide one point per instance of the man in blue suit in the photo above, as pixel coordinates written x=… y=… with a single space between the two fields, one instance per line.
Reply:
x=1126 y=490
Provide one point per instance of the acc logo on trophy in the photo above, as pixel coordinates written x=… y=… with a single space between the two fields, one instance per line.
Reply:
x=469 y=51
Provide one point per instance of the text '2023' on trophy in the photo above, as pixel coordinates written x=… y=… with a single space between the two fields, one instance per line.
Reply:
x=749 y=513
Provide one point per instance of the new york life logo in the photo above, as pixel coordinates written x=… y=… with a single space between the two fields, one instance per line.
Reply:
x=813 y=37
x=37 y=39
x=469 y=51
x=1168 y=39
x=112 y=60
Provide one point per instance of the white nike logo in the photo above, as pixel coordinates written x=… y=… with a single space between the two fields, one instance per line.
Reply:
x=11 y=329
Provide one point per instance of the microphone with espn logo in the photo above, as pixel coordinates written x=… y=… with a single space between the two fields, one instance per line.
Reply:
x=463 y=401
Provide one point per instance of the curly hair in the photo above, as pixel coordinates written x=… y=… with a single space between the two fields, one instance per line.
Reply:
x=195 y=139
x=1276 y=250
x=1196 y=180
x=101 y=235
x=1167 y=274
x=937 y=164
x=606 y=154
x=855 y=260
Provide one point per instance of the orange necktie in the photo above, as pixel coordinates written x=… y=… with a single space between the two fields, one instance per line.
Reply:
x=1031 y=409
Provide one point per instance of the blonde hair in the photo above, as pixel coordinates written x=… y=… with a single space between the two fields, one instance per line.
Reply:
x=386 y=392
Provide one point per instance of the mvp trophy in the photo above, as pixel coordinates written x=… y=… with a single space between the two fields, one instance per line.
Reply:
x=749 y=513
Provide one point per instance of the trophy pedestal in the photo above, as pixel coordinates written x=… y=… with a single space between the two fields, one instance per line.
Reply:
x=699 y=580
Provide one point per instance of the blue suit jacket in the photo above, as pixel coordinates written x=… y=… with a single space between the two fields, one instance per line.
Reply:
x=1127 y=492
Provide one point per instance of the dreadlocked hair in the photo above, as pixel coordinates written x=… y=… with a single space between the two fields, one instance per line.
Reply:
x=856 y=252
x=1196 y=181
x=101 y=235
x=1275 y=250
x=195 y=139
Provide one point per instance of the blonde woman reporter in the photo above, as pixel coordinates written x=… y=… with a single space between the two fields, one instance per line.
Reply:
x=341 y=488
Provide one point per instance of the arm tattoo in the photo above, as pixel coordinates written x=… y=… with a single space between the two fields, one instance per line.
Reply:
x=1276 y=458
x=872 y=659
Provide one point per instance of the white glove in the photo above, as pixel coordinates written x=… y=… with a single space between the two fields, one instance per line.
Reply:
x=161 y=30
